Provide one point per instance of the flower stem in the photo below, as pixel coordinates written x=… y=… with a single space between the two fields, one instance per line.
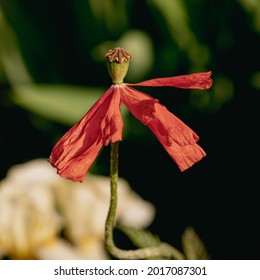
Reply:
x=163 y=250
x=113 y=197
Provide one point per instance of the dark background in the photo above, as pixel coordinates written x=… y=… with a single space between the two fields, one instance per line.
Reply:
x=62 y=42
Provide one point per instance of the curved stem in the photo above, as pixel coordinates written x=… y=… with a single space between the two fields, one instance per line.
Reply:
x=163 y=250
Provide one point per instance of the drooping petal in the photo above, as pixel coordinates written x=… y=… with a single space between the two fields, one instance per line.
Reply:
x=75 y=152
x=192 y=81
x=175 y=136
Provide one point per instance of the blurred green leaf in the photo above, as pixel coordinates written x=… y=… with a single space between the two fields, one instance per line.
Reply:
x=193 y=246
x=113 y=13
x=253 y=8
x=176 y=18
x=141 y=238
x=11 y=62
x=255 y=80
x=61 y=103
x=175 y=15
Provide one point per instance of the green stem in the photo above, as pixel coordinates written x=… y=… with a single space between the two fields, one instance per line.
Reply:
x=163 y=250
x=113 y=197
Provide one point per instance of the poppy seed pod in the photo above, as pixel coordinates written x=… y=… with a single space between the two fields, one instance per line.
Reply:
x=117 y=64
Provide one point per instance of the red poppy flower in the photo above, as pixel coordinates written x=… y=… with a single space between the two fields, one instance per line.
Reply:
x=75 y=152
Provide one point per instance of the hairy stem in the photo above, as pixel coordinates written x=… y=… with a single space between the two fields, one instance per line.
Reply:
x=163 y=250
x=113 y=197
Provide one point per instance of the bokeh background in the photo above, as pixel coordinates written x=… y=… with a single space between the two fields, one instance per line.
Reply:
x=52 y=69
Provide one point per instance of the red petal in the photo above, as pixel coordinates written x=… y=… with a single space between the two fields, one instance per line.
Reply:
x=175 y=136
x=192 y=81
x=75 y=152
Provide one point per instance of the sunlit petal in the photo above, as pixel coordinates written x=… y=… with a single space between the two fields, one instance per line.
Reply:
x=75 y=152
x=175 y=136
x=192 y=81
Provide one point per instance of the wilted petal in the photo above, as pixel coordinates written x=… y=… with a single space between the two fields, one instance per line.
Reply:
x=175 y=136
x=185 y=153
x=75 y=152
x=192 y=81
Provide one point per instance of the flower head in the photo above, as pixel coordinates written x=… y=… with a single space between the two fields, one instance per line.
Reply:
x=75 y=152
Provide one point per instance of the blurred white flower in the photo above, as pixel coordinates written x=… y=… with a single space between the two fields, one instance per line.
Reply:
x=89 y=202
x=27 y=211
x=36 y=205
x=58 y=249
